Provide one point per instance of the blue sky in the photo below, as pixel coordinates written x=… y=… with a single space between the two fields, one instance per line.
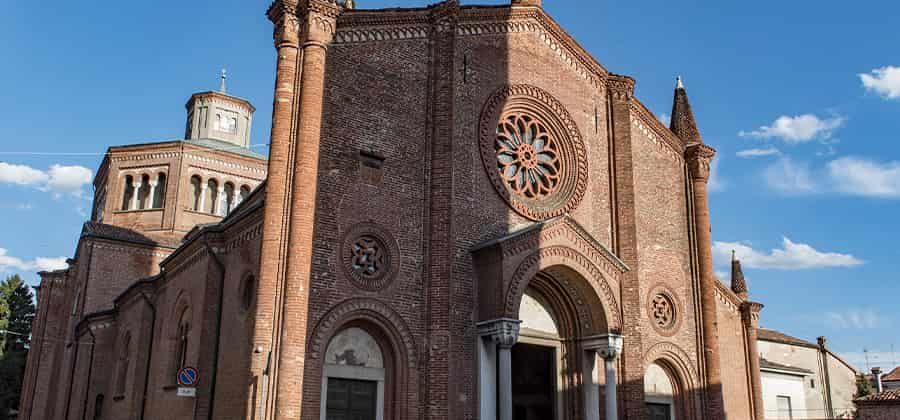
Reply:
x=801 y=99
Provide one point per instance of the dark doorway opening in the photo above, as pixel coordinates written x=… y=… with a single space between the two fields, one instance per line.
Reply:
x=533 y=382
x=350 y=399
x=659 y=411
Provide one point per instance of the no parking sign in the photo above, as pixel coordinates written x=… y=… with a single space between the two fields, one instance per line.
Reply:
x=187 y=377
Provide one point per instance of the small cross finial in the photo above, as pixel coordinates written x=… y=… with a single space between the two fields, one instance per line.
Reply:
x=222 y=81
x=678 y=83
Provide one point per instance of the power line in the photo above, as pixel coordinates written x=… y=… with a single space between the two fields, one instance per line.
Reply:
x=26 y=153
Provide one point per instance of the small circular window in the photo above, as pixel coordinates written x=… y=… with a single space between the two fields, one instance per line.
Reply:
x=370 y=256
x=663 y=310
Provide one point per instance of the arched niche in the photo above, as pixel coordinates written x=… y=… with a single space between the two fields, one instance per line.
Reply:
x=353 y=377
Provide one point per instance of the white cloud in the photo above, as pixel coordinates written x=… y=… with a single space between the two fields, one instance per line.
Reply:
x=715 y=183
x=58 y=179
x=8 y=262
x=68 y=179
x=752 y=153
x=797 y=129
x=857 y=319
x=858 y=176
x=21 y=175
x=664 y=118
x=792 y=256
x=790 y=177
x=884 y=81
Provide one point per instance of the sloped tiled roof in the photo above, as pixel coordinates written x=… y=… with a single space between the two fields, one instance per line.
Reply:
x=889 y=396
x=894 y=375
x=765 y=364
x=780 y=337
x=102 y=230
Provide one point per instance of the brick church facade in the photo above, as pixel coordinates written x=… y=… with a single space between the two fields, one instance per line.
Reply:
x=462 y=215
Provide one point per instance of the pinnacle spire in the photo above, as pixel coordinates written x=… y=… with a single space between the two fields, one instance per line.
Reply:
x=738 y=283
x=683 y=123
x=222 y=81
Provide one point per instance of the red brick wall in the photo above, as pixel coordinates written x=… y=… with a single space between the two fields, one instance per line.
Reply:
x=733 y=353
x=885 y=411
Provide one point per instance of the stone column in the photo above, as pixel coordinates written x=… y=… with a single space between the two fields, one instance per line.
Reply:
x=505 y=333
x=698 y=157
x=135 y=199
x=202 y=206
x=152 y=194
x=286 y=35
x=220 y=201
x=608 y=347
x=318 y=18
x=750 y=318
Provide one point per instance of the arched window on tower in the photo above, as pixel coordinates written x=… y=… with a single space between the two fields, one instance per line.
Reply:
x=124 y=364
x=211 y=195
x=144 y=192
x=128 y=195
x=159 y=194
x=229 y=199
x=196 y=192
x=245 y=192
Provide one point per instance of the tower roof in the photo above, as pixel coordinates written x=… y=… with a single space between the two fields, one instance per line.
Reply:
x=738 y=283
x=683 y=123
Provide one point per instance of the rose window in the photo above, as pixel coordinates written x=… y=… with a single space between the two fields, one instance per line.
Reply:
x=532 y=151
x=527 y=156
x=663 y=311
x=369 y=256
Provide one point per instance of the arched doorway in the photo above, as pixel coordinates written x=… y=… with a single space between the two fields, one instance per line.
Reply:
x=354 y=375
x=542 y=364
x=659 y=393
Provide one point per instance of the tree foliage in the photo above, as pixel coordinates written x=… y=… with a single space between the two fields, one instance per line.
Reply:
x=863 y=386
x=16 y=314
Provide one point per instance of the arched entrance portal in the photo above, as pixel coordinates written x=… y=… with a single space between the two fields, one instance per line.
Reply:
x=542 y=364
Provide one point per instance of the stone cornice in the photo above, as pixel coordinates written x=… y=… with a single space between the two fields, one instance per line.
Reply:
x=699 y=157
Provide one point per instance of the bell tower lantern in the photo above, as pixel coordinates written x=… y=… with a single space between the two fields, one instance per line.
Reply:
x=216 y=115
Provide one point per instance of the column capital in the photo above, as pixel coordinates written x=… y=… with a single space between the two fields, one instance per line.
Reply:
x=750 y=311
x=698 y=157
x=620 y=87
x=607 y=346
x=283 y=14
x=320 y=21
x=503 y=331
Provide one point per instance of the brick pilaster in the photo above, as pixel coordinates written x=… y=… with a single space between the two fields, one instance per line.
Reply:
x=283 y=15
x=318 y=18
x=621 y=89
x=750 y=319
x=439 y=387
x=698 y=157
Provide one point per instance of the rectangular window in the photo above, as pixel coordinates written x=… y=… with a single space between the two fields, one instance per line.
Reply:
x=784 y=407
x=350 y=399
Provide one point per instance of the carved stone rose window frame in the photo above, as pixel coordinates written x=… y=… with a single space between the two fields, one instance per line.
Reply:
x=532 y=152
x=369 y=256
x=664 y=310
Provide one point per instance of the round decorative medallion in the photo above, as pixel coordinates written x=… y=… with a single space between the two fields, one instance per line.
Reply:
x=663 y=310
x=370 y=256
x=533 y=152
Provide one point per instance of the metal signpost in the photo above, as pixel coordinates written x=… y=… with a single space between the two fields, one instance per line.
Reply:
x=187 y=381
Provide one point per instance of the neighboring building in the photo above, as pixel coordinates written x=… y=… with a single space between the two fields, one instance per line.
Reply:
x=464 y=215
x=892 y=379
x=884 y=405
x=804 y=380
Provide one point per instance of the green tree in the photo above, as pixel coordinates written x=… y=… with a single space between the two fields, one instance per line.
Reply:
x=16 y=314
x=863 y=386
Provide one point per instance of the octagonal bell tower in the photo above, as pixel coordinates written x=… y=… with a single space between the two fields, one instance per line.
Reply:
x=219 y=116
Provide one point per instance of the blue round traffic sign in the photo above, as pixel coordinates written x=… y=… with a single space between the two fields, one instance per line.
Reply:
x=188 y=376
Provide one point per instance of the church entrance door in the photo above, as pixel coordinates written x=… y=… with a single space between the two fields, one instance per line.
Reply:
x=534 y=382
x=350 y=399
